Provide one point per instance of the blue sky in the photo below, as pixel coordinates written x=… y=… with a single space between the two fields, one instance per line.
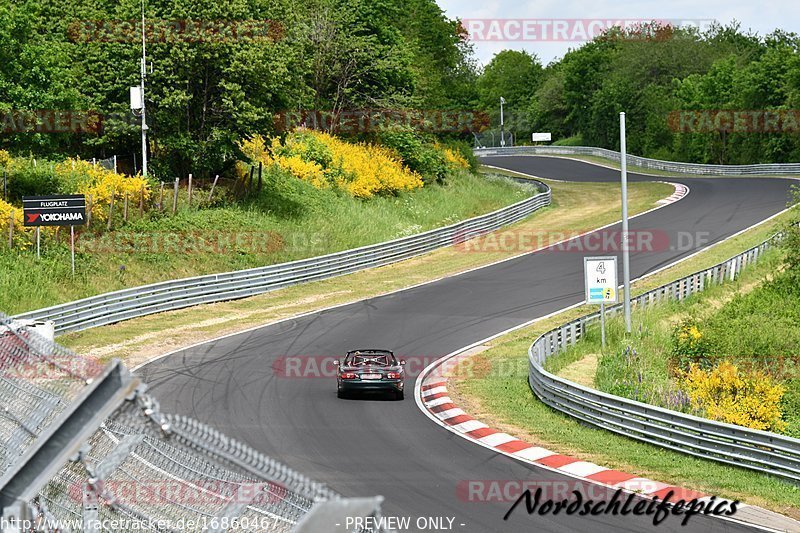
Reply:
x=760 y=16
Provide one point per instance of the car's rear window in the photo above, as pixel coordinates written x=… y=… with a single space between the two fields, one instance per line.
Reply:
x=370 y=359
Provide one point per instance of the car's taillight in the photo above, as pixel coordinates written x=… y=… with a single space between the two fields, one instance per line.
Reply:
x=347 y=375
x=393 y=375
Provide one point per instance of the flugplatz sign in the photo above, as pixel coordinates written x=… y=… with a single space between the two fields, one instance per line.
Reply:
x=62 y=210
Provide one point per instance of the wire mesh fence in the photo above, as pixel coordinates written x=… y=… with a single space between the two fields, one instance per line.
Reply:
x=139 y=466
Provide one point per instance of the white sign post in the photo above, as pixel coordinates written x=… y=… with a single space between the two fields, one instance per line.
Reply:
x=600 y=275
x=541 y=137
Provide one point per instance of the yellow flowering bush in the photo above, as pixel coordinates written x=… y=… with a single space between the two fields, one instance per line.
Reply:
x=724 y=393
x=82 y=177
x=255 y=149
x=362 y=170
x=689 y=345
x=5 y=159
x=305 y=170
x=454 y=157
x=21 y=237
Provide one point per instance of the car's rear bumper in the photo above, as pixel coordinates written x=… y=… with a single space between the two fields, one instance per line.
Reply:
x=377 y=385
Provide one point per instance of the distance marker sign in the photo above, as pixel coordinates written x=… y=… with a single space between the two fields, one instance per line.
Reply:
x=61 y=210
x=601 y=279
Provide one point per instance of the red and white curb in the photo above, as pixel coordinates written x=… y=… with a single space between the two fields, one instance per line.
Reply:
x=681 y=190
x=432 y=395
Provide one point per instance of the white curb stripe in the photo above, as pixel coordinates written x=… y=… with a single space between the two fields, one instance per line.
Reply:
x=583 y=468
x=469 y=425
x=435 y=390
x=439 y=401
x=450 y=413
x=533 y=454
x=496 y=439
x=643 y=485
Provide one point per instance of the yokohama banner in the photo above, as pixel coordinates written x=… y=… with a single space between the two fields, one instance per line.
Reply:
x=63 y=210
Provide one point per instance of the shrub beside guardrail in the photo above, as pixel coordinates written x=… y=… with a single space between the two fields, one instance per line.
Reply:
x=121 y=305
x=767 y=169
x=726 y=443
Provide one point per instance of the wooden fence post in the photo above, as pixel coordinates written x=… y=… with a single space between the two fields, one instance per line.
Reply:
x=141 y=202
x=125 y=209
x=210 y=194
x=190 y=189
x=89 y=212
x=161 y=198
x=11 y=230
x=175 y=197
x=110 y=209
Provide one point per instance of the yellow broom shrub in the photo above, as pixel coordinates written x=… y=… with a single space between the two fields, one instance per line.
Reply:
x=728 y=395
x=453 y=157
x=82 y=177
x=21 y=237
x=362 y=170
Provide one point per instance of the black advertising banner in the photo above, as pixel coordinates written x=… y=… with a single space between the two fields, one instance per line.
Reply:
x=60 y=210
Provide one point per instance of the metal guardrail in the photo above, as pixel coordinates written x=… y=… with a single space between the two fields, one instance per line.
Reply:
x=767 y=169
x=726 y=443
x=121 y=305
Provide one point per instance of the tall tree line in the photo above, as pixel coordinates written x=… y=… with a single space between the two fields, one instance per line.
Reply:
x=722 y=96
x=204 y=94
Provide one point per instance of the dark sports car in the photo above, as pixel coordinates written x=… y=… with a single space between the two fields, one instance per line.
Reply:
x=370 y=370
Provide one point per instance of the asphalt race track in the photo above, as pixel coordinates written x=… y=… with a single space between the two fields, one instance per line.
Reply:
x=374 y=446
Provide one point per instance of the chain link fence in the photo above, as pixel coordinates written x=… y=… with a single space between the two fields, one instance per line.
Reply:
x=138 y=466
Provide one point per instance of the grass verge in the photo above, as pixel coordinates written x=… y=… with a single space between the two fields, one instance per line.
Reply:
x=273 y=227
x=576 y=207
x=504 y=400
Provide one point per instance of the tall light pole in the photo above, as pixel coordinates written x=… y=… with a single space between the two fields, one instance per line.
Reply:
x=141 y=93
x=626 y=262
x=502 y=133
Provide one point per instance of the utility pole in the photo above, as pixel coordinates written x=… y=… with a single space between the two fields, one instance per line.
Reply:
x=141 y=89
x=626 y=261
x=502 y=133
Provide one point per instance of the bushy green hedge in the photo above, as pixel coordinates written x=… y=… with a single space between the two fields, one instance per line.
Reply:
x=575 y=140
x=418 y=153
x=27 y=179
